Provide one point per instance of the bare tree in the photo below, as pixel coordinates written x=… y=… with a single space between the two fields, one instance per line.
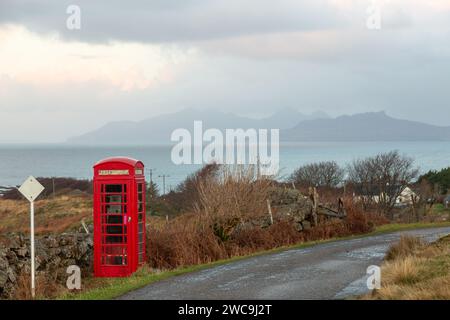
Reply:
x=382 y=178
x=321 y=174
x=186 y=194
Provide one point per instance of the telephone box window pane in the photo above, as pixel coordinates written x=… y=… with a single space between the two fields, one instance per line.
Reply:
x=116 y=208
x=114 y=219
x=141 y=237
x=113 y=198
x=114 y=239
x=114 y=188
x=140 y=197
x=140 y=207
x=141 y=227
x=140 y=187
x=115 y=260
x=110 y=260
x=114 y=229
x=114 y=250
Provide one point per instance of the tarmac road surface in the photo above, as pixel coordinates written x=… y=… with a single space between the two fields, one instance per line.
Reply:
x=334 y=270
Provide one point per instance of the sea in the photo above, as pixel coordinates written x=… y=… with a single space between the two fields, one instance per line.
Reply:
x=18 y=161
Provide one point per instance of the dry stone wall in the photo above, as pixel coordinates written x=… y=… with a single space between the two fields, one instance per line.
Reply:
x=53 y=255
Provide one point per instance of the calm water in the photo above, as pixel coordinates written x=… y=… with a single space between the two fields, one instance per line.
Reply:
x=19 y=161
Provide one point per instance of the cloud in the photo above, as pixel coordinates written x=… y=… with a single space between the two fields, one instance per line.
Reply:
x=171 y=20
x=197 y=20
x=47 y=61
x=144 y=58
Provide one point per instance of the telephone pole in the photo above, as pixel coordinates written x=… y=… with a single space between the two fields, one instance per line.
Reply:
x=164 y=176
x=151 y=175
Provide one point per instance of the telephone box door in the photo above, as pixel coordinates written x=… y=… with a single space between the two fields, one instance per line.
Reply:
x=115 y=220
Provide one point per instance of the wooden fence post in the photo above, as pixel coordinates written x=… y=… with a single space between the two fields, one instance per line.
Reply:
x=314 y=196
x=270 y=212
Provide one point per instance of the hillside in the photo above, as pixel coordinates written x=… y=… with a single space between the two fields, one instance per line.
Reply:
x=294 y=126
x=157 y=130
x=374 y=126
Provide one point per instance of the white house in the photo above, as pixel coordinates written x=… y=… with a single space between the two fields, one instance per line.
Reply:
x=406 y=197
x=447 y=202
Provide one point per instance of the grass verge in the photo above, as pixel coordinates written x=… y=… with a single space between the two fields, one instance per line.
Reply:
x=110 y=288
x=415 y=271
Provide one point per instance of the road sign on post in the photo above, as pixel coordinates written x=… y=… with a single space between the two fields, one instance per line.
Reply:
x=31 y=189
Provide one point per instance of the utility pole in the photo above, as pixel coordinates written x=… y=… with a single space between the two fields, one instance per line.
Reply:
x=258 y=168
x=164 y=176
x=151 y=175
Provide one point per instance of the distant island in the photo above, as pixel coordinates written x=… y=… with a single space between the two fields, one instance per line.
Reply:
x=293 y=125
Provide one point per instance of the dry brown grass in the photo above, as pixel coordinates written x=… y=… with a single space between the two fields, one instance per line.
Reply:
x=407 y=246
x=45 y=288
x=416 y=271
x=52 y=215
x=404 y=270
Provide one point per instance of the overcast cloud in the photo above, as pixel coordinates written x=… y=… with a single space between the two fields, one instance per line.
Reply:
x=139 y=59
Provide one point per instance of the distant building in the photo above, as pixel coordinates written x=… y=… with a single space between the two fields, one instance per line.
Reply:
x=447 y=202
x=405 y=198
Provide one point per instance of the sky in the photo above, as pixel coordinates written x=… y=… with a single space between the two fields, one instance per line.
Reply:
x=137 y=59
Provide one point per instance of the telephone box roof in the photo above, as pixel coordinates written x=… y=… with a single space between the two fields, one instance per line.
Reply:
x=125 y=160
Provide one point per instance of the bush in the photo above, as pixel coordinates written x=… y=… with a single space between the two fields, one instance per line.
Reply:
x=186 y=194
x=232 y=197
x=183 y=241
x=322 y=174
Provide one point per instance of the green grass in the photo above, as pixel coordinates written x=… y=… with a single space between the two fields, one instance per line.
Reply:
x=110 y=288
x=439 y=209
x=393 y=227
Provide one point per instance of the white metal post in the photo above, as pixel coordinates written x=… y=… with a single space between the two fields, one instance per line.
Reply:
x=31 y=189
x=33 y=290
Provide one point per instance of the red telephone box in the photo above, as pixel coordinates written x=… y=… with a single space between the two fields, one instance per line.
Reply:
x=119 y=216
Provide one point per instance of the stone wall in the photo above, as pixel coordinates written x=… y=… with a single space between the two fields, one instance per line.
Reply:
x=290 y=203
x=53 y=255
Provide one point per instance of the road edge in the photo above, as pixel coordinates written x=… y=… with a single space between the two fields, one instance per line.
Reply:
x=116 y=287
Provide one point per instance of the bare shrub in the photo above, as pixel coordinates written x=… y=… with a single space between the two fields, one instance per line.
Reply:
x=380 y=179
x=321 y=174
x=186 y=194
x=233 y=196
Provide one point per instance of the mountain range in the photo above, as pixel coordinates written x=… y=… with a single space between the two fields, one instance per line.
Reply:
x=293 y=125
